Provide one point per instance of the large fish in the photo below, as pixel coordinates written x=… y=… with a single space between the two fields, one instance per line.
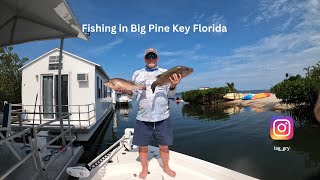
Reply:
x=118 y=83
x=164 y=77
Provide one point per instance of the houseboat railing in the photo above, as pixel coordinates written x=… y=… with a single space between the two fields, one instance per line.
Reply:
x=34 y=145
x=83 y=114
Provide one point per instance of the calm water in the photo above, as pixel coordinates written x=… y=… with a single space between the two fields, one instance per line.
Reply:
x=235 y=138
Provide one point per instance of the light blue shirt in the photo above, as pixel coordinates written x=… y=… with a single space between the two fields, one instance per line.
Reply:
x=152 y=107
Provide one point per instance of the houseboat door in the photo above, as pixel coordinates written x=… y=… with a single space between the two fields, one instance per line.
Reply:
x=64 y=93
x=47 y=97
x=50 y=95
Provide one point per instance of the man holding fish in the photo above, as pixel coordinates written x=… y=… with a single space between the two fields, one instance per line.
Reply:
x=151 y=87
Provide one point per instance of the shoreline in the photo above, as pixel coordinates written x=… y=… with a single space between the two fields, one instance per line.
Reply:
x=268 y=103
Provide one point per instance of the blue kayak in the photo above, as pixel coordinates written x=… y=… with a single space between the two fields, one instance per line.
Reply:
x=248 y=97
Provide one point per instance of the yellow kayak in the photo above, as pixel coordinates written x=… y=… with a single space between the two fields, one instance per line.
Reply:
x=233 y=96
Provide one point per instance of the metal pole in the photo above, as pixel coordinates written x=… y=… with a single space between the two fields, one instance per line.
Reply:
x=59 y=93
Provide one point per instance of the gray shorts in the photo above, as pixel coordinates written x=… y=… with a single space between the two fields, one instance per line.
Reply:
x=161 y=131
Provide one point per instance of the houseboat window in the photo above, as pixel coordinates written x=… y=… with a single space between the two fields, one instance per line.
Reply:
x=54 y=59
x=101 y=92
x=54 y=62
x=55 y=66
x=98 y=88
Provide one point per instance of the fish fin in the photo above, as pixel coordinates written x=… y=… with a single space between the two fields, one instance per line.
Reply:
x=153 y=87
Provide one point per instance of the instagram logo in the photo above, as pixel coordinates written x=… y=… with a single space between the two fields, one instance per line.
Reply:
x=281 y=128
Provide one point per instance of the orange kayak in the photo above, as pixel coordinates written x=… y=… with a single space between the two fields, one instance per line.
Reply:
x=260 y=95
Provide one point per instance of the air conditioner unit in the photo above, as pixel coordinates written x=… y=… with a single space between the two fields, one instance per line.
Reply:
x=82 y=77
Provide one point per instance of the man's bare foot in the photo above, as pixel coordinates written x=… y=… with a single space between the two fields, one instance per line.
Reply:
x=143 y=174
x=170 y=172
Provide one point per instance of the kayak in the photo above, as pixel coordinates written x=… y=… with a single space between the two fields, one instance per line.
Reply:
x=248 y=97
x=260 y=95
x=233 y=96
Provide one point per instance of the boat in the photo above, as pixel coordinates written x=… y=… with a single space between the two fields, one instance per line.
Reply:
x=122 y=98
x=178 y=100
x=233 y=96
x=260 y=95
x=83 y=94
x=121 y=162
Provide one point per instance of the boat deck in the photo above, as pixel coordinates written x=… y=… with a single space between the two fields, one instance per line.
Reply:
x=28 y=170
x=125 y=165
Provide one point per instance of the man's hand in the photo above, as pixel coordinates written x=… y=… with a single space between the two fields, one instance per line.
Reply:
x=175 y=79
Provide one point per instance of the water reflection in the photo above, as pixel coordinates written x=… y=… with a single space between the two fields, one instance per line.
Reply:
x=233 y=110
x=210 y=112
x=253 y=109
x=305 y=141
x=124 y=111
x=106 y=135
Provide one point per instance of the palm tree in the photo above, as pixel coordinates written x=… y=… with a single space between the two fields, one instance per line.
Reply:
x=308 y=71
x=231 y=87
x=316 y=70
x=287 y=75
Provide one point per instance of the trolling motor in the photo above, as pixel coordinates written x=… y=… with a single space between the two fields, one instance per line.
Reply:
x=83 y=172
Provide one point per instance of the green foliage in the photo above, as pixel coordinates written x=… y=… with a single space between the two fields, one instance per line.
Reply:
x=292 y=78
x=303 y=91
x=10 y=76
x=208 y=96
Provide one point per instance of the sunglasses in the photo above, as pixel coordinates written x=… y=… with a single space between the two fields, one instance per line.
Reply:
x=151 y=56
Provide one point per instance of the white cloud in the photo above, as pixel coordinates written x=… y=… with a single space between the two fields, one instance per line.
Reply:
x=206 y=18
x=263 y=64
x=105 y=47
x=197 y=47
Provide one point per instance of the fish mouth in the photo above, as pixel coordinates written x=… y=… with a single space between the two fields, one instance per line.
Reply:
x=190 y=70
x=109 y=83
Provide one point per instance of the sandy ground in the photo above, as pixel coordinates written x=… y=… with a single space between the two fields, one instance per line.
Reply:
x=268 y=103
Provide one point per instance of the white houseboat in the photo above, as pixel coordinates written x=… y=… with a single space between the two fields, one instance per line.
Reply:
x=83 y=94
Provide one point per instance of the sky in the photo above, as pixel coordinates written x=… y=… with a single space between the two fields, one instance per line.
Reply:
x=265 y=39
